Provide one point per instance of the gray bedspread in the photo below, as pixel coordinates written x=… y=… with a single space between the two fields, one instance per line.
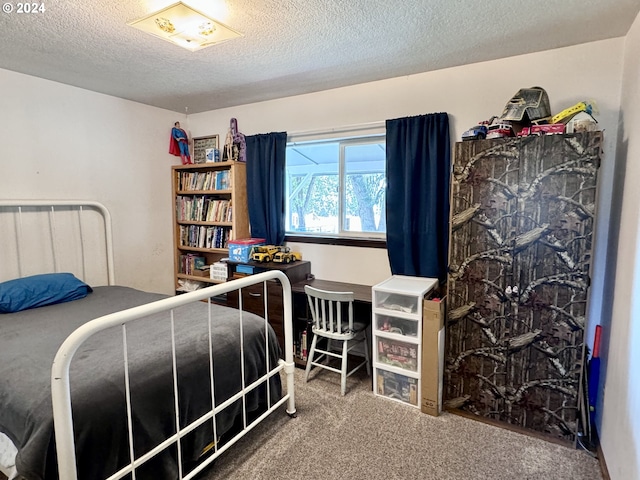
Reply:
x=30 y=339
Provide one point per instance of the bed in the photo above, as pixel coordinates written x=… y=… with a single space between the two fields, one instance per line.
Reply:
x=121 y=383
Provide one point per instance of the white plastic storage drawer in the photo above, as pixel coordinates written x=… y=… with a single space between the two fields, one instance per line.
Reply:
x=396 y=386
x=402 y=294
x=399 y=326
x=397 y=354
x=397 y=302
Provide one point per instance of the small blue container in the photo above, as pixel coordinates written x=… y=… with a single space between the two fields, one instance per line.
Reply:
x=248 y=269
x=240 y=250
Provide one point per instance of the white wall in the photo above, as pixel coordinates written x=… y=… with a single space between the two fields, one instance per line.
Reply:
x=469 y=94
x=620 y=429
x=64 y=142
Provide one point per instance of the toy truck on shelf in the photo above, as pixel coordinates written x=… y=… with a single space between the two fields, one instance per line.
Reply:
x=285 y=255
x=500 y=130
x=264 y=253
x=546 y=129
x=479 y=132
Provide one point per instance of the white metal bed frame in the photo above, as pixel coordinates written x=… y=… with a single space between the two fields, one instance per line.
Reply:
x=17 y=211
x=60 y=380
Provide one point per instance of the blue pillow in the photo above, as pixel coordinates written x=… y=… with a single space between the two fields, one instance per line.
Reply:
x=40 y=290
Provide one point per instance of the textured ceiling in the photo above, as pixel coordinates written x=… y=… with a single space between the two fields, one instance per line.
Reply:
x=289 y=47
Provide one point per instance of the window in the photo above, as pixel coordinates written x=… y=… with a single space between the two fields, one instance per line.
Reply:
x=336 y=188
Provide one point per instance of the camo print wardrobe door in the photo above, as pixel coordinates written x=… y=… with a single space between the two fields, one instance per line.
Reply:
x=521 y=231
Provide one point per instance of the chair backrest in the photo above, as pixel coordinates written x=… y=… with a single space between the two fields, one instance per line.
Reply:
x=332 y=312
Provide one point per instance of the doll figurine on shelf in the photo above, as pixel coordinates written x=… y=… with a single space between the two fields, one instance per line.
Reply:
x=227 y=152
x=239 y=140
x=235 y=147
x=179 y=144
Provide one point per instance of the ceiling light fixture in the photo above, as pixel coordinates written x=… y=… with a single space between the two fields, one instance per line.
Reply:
x=185 y=26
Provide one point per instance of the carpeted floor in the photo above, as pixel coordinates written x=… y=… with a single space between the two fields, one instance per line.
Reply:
x=360 y=436
x=363 y=437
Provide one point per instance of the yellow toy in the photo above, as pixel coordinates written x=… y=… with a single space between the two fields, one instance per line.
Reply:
x=268 y=253
x=264 y=253
x=569 y=112
x=285 y=255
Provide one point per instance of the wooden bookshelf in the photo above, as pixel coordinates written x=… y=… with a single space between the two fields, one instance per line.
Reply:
x=209 y=209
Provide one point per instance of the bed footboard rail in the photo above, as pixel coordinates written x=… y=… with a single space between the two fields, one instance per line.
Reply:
x=60 y=378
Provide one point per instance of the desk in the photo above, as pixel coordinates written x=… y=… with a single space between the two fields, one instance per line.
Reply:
x=253 y=298
x=361 y=293
x=302 y=315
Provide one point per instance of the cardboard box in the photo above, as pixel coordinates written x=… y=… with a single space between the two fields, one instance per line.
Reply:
x=433 y=316
x=201 y=272
x=240 y=250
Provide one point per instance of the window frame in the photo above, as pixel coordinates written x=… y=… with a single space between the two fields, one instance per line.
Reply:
x=375 y=135
x=339 y=241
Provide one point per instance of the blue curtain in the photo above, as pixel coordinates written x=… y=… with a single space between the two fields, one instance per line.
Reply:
x=265 y=185
x=418 y=169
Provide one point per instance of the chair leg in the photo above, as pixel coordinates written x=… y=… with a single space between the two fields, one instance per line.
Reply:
x=367 y=345
x=310 y=358
x=343 y=375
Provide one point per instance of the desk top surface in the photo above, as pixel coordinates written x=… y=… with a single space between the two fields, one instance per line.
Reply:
x=361 y=293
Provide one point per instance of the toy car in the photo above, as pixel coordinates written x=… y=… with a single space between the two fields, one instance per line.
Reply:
x=264 y=253
x=478 y=132
x=546 y=129
x=499 y=130
x=285 y=255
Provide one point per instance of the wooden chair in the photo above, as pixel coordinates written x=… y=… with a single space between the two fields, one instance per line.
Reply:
x=332 y=314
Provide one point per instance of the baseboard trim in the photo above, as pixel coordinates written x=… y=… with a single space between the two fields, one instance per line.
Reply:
x=513 y=428
x=603 y=464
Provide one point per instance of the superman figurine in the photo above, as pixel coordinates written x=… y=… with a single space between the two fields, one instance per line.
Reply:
x=179 y=144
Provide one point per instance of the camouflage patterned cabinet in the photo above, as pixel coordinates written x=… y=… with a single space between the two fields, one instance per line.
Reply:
x=521 y=233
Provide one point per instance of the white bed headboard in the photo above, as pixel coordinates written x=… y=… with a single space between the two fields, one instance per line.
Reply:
x=46 y=236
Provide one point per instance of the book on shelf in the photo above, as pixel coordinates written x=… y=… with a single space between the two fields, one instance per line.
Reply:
x=203 y=236
x=202 y=209
x=202 y=181
x=302 y=340
x=222 y=180
x=190 y=262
